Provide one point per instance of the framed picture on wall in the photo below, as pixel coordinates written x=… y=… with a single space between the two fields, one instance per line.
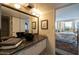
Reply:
x=44 y=24
x=33 y=25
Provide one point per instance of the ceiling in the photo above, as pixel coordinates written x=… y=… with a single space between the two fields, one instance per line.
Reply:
x=49 y=6
x=9 y=12
x=68 y=13
x=44 y=7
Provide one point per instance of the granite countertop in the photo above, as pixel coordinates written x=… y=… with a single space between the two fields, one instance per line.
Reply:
x=24 y=44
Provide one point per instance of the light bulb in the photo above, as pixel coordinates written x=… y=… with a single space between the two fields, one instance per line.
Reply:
x=36 y=12
x=17 y=6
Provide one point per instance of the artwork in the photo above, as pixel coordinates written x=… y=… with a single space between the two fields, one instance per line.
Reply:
x=33 y=25
x=44 y=24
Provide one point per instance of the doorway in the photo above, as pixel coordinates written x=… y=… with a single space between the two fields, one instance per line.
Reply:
x=5 y=26
x=66 y=25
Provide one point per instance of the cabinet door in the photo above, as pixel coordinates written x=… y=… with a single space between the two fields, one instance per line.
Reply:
x=33 y=50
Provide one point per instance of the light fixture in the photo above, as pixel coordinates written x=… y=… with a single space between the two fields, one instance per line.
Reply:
x=17 y=6
x=24 y=4
x=36 y=12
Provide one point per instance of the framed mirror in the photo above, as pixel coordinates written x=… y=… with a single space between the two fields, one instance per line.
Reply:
x=14 y=20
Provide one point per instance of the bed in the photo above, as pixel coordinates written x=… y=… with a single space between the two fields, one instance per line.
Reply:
x=67 y=41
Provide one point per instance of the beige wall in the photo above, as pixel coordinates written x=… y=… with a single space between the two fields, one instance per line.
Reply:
x=22 y=25
x=50 y=32
x=15 y=25
x=33 y=19
x=18 y=25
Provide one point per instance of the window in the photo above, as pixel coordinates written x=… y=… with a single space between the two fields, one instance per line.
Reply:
x=26 y=27
x=68 y=26
x=64 y=26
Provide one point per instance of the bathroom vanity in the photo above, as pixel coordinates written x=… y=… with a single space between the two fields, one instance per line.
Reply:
x=34 y=47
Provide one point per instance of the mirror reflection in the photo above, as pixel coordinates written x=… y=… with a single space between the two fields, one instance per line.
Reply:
x=13 y=21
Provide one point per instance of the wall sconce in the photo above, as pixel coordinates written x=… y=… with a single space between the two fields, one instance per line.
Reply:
x=17 y=6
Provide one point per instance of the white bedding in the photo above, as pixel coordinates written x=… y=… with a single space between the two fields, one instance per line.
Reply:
x=67 y=37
